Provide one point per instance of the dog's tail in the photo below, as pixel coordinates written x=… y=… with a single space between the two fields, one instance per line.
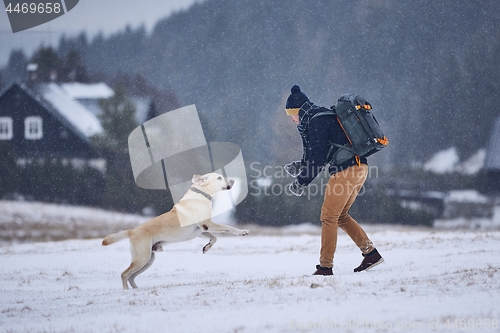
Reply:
x=113 y=238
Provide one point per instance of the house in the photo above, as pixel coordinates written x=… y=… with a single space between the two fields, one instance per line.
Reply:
x=47 y=120
x=88 y=94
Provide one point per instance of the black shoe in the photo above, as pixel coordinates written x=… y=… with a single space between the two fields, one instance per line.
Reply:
x=371 y=260
x=323 y=270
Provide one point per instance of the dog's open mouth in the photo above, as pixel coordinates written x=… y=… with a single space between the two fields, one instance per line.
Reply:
x=229 y=185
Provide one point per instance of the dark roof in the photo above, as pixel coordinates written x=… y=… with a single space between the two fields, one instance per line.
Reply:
x=73 y=114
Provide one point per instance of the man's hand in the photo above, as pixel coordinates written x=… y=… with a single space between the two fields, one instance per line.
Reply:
x=294 y=168
x=296 y=188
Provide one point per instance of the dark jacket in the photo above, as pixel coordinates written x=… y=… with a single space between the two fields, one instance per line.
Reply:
x=317 y=133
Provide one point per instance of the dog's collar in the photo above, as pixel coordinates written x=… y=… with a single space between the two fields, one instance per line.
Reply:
x=194 y=189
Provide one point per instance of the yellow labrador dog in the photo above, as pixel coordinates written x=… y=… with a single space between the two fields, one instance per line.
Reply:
x=195 y=206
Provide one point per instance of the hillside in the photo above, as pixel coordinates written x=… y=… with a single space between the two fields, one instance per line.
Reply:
x=429 y=68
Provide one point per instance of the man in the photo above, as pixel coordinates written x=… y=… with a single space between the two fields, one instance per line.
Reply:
x=318 y=130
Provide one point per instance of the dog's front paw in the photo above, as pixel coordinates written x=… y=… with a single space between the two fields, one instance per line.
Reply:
x=206 y=248
x=244 y=232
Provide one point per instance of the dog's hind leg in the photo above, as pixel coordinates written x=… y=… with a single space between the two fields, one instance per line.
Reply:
x=141 y=257
x=211 y=242
x=131 y=279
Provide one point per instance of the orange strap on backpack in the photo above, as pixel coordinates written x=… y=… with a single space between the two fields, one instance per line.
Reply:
x=384 y=141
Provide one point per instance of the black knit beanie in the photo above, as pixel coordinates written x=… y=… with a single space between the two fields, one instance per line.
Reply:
x=295 y=100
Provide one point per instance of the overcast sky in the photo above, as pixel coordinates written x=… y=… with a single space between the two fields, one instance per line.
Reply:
x=92 y=16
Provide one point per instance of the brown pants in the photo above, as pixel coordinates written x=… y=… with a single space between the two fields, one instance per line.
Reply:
x=340 y=193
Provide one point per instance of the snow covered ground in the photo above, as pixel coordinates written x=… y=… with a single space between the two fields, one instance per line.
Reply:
x=432 y=281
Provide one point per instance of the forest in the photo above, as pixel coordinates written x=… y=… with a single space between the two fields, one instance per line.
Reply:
x=429 y=68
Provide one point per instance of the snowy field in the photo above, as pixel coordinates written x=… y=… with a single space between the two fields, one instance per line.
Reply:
x=431 y=281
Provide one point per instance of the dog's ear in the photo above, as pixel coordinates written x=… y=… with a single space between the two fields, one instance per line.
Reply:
x=198 y=180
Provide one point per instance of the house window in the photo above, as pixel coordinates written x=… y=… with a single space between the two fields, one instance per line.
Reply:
x=6 y=132
x=33 y=128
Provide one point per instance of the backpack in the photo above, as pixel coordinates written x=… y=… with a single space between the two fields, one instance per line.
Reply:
x=361 y=128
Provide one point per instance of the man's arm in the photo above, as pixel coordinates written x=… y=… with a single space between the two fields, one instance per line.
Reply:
x=320 y=133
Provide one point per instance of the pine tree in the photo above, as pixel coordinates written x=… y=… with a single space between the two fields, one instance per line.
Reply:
x=2 y=79
x=15 y=71
x=49 y=64
x=118 y=120
x=73 y=69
